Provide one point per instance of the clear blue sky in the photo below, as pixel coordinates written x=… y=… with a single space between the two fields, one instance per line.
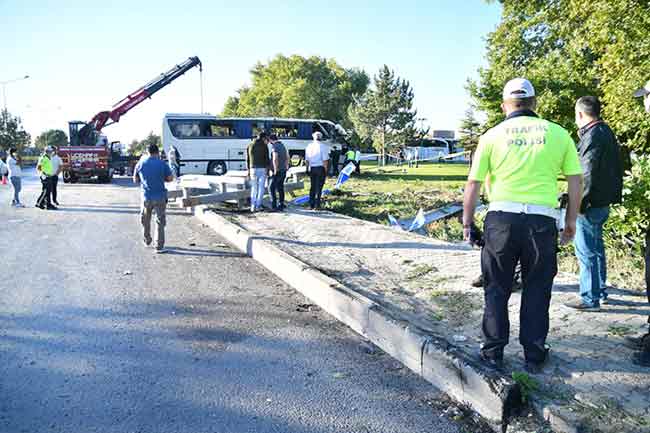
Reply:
x=83 y=56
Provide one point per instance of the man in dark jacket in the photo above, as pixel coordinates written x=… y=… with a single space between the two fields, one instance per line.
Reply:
x=603 y=183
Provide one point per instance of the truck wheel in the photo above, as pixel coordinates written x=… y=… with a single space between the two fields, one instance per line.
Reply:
x=217 y=168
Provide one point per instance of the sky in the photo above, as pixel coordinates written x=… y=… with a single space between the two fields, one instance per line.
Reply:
x=84 y=56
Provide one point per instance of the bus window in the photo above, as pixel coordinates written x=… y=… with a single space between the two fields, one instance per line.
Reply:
x=185 y=128
x=257 y=128
x=285 y=131
x=222 y=129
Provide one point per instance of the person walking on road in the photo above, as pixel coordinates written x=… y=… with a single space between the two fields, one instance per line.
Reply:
x=152 y=173
x=279 y=167
x=45 y=171
x=15 y=174
x=57 y=167
x=258 y=163
x=642 y=344
x=521 y=157
x=317 y=158
x=603 y=184
x=174 y=161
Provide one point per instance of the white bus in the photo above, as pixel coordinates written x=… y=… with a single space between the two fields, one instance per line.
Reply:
x=213 y=145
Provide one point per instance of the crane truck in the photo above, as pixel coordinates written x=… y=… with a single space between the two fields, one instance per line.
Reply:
x=89 y=153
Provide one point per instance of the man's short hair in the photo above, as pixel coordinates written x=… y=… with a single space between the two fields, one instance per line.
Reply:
x=273 y=137
x=522 y=103
x=153 y=149
x=590 y=105
x=12 y=150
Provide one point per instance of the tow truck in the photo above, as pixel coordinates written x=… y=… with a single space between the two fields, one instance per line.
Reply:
x=89 y=153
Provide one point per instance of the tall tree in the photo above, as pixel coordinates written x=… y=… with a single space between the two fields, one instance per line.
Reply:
x=568 y=49
x=138 y=147
x=296 y=86
x=12 y=133
x=385 y=113
x=51 y=137
x=470 y=130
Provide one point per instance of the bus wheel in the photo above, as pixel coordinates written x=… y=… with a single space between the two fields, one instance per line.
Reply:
x=217 y=168
x=297 y=159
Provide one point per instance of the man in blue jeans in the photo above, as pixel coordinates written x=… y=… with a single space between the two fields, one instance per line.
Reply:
x=152 y=173
x=603 y=183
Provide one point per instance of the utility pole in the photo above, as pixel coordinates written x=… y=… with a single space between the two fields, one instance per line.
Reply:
x=4 y=88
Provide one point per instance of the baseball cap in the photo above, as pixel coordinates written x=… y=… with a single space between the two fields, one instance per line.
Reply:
x=518 y=88
x=645 y=90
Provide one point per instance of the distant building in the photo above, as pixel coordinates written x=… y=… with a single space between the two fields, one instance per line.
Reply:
x=444 y=134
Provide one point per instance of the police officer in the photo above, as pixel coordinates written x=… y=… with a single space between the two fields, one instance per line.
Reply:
x=521 y=157
x=46 y=172
x=642 y=344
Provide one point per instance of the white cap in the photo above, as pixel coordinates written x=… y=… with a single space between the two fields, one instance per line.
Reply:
x=643 y=91
x=318 y=136
x=518 y=88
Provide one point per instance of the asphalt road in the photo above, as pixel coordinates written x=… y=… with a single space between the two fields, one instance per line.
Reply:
x=97 y=334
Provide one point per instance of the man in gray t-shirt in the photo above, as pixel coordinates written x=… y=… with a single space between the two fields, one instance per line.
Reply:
x=279 y=167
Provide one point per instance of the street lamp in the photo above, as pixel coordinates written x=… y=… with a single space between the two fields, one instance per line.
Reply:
x=4 y=88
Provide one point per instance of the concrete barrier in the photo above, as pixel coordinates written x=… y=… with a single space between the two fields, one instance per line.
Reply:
x=438 y=361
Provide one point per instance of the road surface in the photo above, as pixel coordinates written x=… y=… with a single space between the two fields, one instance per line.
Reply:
x=98 y=334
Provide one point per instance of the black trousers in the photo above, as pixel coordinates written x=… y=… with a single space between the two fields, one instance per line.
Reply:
x=55 y=182
x=46 y=192
x=532 y=240
x=317 y=177
x=277 y=187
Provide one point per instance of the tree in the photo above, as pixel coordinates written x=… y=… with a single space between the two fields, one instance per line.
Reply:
x=12 y=133
x=51 y=137
x=139 y=147
x=300 y=87
x=385 y=113
x=568 y=49
x=470 y=131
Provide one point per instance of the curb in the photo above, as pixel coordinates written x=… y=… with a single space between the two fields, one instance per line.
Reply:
x=441 y=363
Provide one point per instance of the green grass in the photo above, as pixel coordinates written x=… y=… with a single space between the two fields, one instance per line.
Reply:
x=398 y=191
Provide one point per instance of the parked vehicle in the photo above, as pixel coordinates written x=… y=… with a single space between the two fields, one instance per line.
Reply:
x=214 y=145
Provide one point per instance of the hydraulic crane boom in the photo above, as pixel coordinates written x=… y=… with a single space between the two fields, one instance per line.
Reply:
x=87 y=134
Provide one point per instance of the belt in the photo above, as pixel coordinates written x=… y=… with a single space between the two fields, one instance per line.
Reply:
x=531 y=209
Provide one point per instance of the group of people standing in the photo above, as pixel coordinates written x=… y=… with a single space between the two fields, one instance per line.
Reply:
x=263 y=164
x=519 y=161
x=49 y=167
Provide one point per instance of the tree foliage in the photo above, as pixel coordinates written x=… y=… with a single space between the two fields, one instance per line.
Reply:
x=470 y=130
x=12 y=133
x=51 y=137
x=138 y=147
x=568 y=49
x=299 y=87
x=384 y=114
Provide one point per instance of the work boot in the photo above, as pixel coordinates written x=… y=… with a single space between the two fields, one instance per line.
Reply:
x=636 y=343
x=642 y=357
x=478 y=281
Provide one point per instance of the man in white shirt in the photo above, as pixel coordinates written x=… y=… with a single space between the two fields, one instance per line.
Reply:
x=317 y=158
x=57 y=166
x=15 y=173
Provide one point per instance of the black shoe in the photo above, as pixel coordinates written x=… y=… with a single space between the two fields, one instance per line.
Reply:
x=478 y=281
x=537 y=367
x=52 y=207
x=40 y=206
x=581 y=306
x=636 y=343
x=57 y=203
x=491 y=362
x=282 y=206
x=642 y=358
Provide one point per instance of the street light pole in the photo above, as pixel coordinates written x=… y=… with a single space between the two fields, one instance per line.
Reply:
x=4 y=88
